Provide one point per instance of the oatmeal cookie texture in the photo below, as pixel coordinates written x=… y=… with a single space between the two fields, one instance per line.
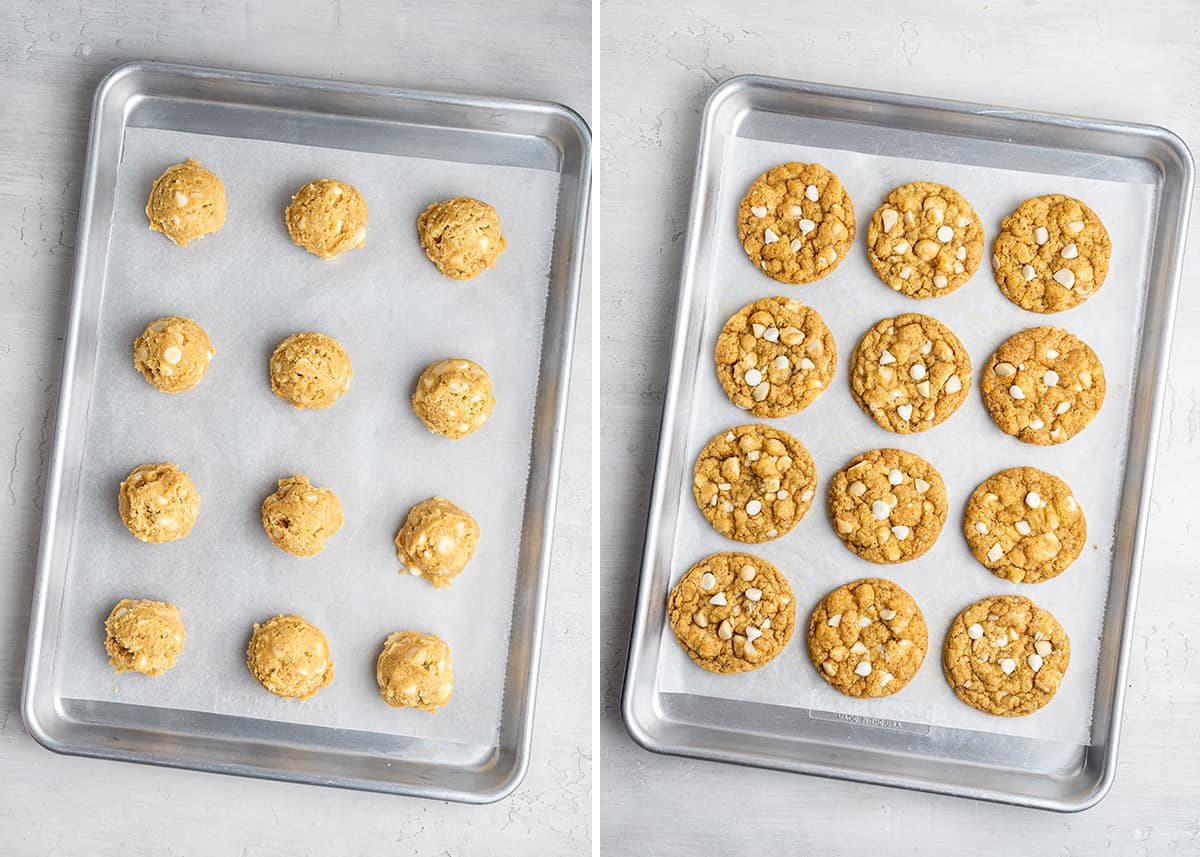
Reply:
x=310 y=370
x=143 y=636
x=454 y=397
x=186 y=202
x=173 y=354
x=414 y=670
x=732 y=612
x=461 y=236
x=1051 y=254
x=775 y=357
x=300 y=517
x=289 y=656
x=796 y=222
x=437 y=541
x=327 y=217
x=1005 y=655
x=158 y=503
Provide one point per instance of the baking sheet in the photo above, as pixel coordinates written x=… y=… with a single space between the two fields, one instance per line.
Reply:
x=249 y=287
x=965 y=449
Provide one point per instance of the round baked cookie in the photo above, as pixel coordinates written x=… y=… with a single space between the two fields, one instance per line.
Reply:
x=888 y=505
x=327 y=217
x=910 y=373
x=1043 y=385
x=868 y=638
x=732 y=612
x=1005 y=655
x=158 y=503
x=1024 y=525
x=796 y=223
x=186 y=202
x=310 y=370
x=754 y=483
x=925 y=240
x=143 y=636
x=1051 y=254
x=453 y=397
x=775 y=356
x=461 y=236
x=173 y=354
x=299 y=517
x=289 y=656
x=437 y=541
x=414 y=670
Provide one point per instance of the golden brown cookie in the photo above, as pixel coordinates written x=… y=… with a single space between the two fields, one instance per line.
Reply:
x=299 y=518
x=775 y=356
x=910 y=373
x=461 y=236
x=1043 y=385
x=437 y=541
x=454 y=397
x=868 y=638
x=796 y=223
x=158 y=503
x=1051 y=254
x=1025 y=525
x=143 y=636
x=888 y=505
x=310 y=370
x=754 y=483
x=414 y=670
x=925 y=240
x=327 y=217
x=732 y=612
x=173 y=354
x=1005 y=655
x=289 y=656
x=186 y=202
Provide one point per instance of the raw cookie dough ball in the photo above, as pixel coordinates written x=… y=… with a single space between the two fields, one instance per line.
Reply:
x=310 y=370
x=143 y=636
x=300 y=517
x=327 y=217
x=461 y=236
x=173 y=354
x=290 y=657
x=187 y=202
x=158 y=503
x=453 y=397
x=437 y=541
x=414 y=671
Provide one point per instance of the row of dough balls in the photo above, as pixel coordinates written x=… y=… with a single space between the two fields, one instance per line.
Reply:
x=453 y=397
x=775 y=356
x=734 y=612
x=326 y=217
x=796 y=224
x=287 y=655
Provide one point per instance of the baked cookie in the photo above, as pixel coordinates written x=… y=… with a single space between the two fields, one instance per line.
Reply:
x=453 y=397
x=414 y=670
x=461 y=236
x=925 y=240
x=289 y=656
x=732 y=612
x=754 y=483
x=775 y=356
x=437 y=541
x=173 y=354
x=143 y=636
x=1043 y=385
x=310 y=370
x=327 y=217
x=910 y=373
x=186 y=202
x=868 y=638
x=888 y=505
x=299 y=518
x=1051 y=254
x=1025 y=525
x=796 y=223
x=1005 y=655
x=158 y=503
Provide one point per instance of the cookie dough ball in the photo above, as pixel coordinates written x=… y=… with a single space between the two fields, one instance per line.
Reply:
x=310 y=370
x=461 y=236
x=327 y=217
x=437 y=541
x=454 y=397
x=300 y=517
x=187 y=202
x=414 y=671
x=158 y=503
x=290 y=657
x=173 y=354
x=143 y=636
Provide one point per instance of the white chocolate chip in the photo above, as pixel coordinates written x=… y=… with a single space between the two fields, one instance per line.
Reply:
x=1008 y=665
x=1062 y=408
x=797 y=211
x=858 y=648
x=181 y=199
x=1035 y=662
x=1075 y=227
x=796 y=245
x=940 y=280
x=921 y=485
x=961 y=254
x=922 y=388
x=863 y=621
x=760 y=392
x=1051 y=353
x=748 y=572
x=753 y=507
x=857 y=488
x=725 y=630
x=953 y=384
x=806 y=364
x=917 y=371
x=754 y=594
x=975 y=631
x=880 y=510
x=758 y=210
x=905 y=411
x=1016 y=392
x=1005 y=370
x=1064 y=277
x=1033 y=500
x=771 y=334
x=835 y=620
x=1023 y=527
x=890 y=218
x=1041 y=235
x=707 y=581
x=895 y=477
x=981 y=528
x=905 y=272
x=958 y=267
x=1070 y=251
x=885 y=679
x=753 y=377
x=863 y=669
x=1036 y=424
x=887 y=614
x=1028 y=273
x=700 y=619
x=900 y=532
x=812 y=193
x=886 y=357
x=718 y=599
x=806 y=226
x=900 y=247
x=770 y=237
x=995 y=552
x=782 y=362
x=1043 y=647
x=944 y=234
x=1050 y=378
x=752 y=633
x=172 y=354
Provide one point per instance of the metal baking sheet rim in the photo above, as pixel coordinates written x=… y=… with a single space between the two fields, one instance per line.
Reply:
x=1171 y=260
x=114 y=750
